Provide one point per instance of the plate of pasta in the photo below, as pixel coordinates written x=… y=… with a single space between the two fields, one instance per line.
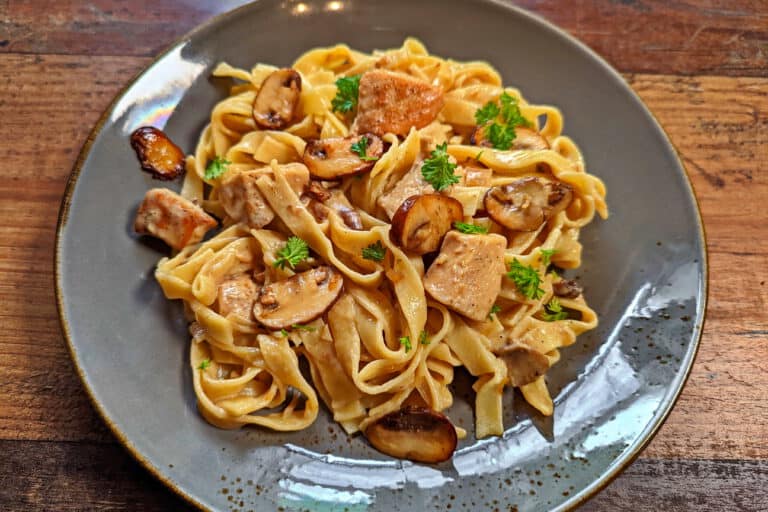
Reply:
x=375 y=269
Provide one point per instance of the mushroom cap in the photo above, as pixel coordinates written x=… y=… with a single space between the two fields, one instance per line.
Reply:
x=298 y=299
x=416 y=433
x=333 y=158
x=524 y=365
x=277 y=99
x=525 y=204
x=421 y=222
x=157 y=154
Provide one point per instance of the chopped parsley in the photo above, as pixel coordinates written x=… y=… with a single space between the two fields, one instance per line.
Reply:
x=307 y=328
x=499 y=121
x=479 y=154
x=470 y=229
x=205 y=363
x=546 y=256
x=216 y=168
x=423 y=338
x=375 y=252
x=283 y=333
x=437 y=170
x=406 y=342
x=361 y=147
x=347 y=89
x=526 y=278
x=553 y=311
x=294 y=252
x=494 y=309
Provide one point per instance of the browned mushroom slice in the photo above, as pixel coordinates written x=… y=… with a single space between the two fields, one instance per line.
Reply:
x=422 y=221
x=319 y=200
x=525 y=204
x=524 y=365
x=525 y=138
x=333 y=158
x=175 y=220
x=567 y=288
x=157 y=154
x=276 y=101
x=391 y=102
x=415 y=433
x=298 y=299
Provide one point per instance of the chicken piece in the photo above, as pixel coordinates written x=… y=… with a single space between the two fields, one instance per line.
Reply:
x=175 y=220
x=237 y=295
x=476 y=177
x=242 y=200
x=390 y=102
x=411 y=184
x=466 y=275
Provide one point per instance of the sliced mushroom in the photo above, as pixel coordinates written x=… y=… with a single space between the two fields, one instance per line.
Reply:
x=567 y=288
x=333 y=158
x=422 y=221
x=236 y=296
x=415 y=433
x=277 y=99
x=525 y=204
x=319 y=200
x=157 y=154
x=525 y=138
x=524 y=365
x=298 y=299
x=175 y=220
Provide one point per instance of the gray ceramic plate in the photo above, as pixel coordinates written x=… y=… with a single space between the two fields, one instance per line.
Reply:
x=644 y=272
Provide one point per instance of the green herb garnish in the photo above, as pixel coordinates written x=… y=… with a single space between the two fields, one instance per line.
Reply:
x=294 y=252
x=470 y=229
x=406 y=342
x=546 y=256
x=494 y=309
x=553 y=311
x=300 y=327
x=283 y=333
x=526 y=278
x=375 y=252
x=216 y=168
x=423 y=338
x=437 y=170
x=205 y=363
x=347 y=90
x=361 y=147
x=499 y=122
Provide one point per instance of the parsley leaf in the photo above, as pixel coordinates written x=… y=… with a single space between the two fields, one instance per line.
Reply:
x=553 y=311
x=494 y=309
x=216 y=168
x=526 y=278
x=205 y=363
x=488 y=112
x=470 y=229
x=299 y=327
x=283 y=333
x=437 y=170
x=360 y=147
x=423 y=338
x=479 y=154
x=347 y=89
x=375 y=252
x=503 y=120
x=546 y=256
x=406 y=342
x=294 y=252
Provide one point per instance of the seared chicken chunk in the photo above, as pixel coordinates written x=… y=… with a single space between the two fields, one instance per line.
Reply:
x=411 y=184
x=242 y=200
x=236 y=296
x=466 y=275
x=390 y=102
x=175 y=220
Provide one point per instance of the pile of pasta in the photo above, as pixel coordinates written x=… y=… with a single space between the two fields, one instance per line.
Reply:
x=245 y=373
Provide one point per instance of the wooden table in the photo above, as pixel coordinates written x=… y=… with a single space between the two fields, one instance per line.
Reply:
x=702 y=68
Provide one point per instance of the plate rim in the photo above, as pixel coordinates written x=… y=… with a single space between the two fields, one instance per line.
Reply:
x=612 y=471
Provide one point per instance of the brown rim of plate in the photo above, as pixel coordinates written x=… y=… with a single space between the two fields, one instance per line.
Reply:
x=591 y=490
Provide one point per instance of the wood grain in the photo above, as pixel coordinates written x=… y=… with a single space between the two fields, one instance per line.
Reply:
x=682 y=37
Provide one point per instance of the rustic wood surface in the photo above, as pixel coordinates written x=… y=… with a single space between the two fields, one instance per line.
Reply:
x=702 y=68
